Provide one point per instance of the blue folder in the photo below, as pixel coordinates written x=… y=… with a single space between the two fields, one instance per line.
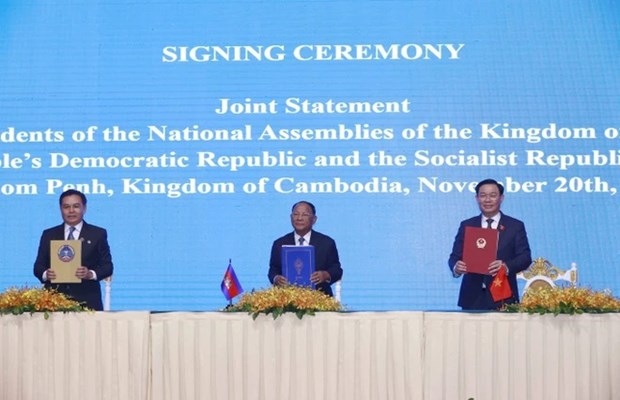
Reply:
x=298 y=264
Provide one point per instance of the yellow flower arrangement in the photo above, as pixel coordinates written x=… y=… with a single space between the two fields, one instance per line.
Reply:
x=569 y=300
x=277 y=300
x=18 y=301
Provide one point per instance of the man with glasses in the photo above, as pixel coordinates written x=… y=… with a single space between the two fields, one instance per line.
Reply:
x=327 y=262
x=513 y=252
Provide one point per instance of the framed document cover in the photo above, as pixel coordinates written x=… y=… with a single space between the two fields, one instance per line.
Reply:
x=298 y=264
x=479 y=249
x=66 y=258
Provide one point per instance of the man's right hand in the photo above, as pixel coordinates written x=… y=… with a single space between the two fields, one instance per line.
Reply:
x=460 y=268
x=280 y=280
x=50 y=274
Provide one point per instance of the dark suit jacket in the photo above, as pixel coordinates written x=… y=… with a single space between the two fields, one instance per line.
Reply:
x=326 y=258
x=95 y=256
x=513 y=250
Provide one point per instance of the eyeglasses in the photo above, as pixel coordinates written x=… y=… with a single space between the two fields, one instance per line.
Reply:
x=301 y=215
x=491 y=196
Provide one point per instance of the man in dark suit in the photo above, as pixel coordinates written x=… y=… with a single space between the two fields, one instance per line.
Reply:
x=513 y=253
x=327 y=262
x=96 y=258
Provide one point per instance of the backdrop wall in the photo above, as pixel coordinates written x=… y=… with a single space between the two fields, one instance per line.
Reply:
x=193 y=127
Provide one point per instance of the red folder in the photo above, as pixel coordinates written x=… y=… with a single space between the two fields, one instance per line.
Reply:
x=479 y=249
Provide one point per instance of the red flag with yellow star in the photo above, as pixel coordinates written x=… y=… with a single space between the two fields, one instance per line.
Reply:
x=500 y=287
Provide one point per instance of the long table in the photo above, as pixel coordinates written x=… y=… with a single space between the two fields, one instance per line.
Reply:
x=358 y=355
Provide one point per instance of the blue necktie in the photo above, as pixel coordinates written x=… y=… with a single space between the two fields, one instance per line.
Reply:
x=71 y=230
x=301 y=241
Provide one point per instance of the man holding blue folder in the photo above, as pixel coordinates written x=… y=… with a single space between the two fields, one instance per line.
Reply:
x=327 y=267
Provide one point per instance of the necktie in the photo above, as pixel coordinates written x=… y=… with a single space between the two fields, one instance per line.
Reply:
x=71 y=230
x=487 y=279
x=301 y=241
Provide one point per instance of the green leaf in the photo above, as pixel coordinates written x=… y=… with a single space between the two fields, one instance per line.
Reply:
x=277 y=312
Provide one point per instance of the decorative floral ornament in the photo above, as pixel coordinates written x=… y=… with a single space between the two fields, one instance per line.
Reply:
x=571 y=300
x=18 y=301
x=277 y=300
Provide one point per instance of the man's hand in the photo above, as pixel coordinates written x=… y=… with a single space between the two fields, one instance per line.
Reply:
x=460 y=268
x=495 y=266
x=319 y=276
x=83 y=273
x=50 y=274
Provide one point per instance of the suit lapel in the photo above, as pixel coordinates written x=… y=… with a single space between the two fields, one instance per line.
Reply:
x=59 y=233
x=84 y=231
x=500 y=230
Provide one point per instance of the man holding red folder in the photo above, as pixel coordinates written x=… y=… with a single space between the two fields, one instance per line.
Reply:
x=490 y=289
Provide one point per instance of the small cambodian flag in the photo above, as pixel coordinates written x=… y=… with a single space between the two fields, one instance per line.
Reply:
x=230 y=284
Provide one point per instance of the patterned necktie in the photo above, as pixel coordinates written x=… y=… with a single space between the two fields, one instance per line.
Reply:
x=490 y=223
x=301 y=241
x=71 y=230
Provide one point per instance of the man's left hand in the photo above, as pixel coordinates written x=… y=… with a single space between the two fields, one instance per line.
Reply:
x=319 y=276
x=83 y=273
x=495 y=266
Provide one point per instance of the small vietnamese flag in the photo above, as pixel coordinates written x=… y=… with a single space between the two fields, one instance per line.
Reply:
x=230 y=284
x=500 y=287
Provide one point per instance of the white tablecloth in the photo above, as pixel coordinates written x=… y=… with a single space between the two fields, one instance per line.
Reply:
x=74 y=356
x=491 y=356
x=329 y=356
x=357 y=356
